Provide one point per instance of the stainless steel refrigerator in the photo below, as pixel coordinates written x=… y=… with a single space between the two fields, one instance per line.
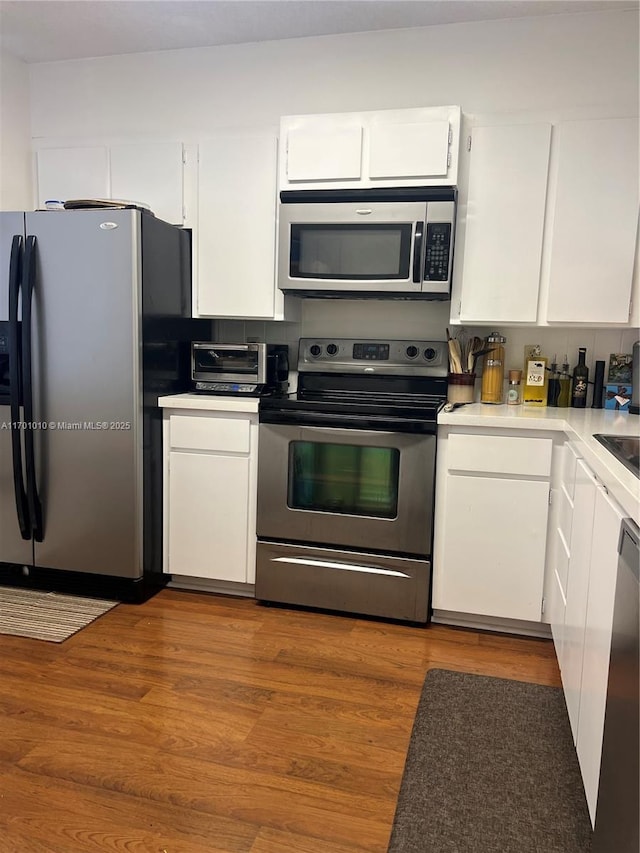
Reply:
x=94 y=325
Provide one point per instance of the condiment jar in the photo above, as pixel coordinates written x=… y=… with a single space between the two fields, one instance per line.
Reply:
x=493 y=370
x=514 y=396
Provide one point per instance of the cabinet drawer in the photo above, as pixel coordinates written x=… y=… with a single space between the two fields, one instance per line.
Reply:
x=565 y=513
x=570 y=457
x=562 y=564
x=230 y=435
x=500 y=455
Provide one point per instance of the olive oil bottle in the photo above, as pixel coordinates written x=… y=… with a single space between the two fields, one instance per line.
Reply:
x=535 y=382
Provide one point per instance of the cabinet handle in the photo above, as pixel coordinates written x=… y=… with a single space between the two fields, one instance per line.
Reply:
x=417 y=253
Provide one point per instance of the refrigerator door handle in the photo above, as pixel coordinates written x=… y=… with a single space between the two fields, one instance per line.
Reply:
x=15 y=386
x=28 y=279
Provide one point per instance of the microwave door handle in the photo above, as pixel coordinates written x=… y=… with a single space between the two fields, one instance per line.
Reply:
x=417 y=253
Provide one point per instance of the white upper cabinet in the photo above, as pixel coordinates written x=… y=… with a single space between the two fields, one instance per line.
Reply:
x=66 y=173
x=547 y=222
x=409 y=149
x=150 y=173
x=324 y=153
x=594 y=221
x=146 y=172
x=502 y=250
x=235 y=238
x=413 y=147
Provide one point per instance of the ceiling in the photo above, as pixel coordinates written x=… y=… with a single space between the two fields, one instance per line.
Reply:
x=49 y=30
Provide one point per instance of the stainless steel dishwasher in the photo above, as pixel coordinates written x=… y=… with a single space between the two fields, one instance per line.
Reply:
x=617 y=827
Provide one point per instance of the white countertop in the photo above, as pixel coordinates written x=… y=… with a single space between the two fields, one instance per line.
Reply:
x=578 y=425
x=210 y=403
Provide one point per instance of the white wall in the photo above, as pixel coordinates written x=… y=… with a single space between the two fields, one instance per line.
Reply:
x=529 y=63
x=554 y=62
x=15 y=134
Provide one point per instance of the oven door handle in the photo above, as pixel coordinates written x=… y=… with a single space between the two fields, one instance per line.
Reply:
x=334 y=430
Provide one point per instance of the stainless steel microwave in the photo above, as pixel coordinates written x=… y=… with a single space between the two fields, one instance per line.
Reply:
x=248 y=369
x=367 y=243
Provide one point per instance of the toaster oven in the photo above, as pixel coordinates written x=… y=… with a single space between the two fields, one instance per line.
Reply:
x=250 y=369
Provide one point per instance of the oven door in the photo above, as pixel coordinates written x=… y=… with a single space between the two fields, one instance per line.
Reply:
x=357 y=488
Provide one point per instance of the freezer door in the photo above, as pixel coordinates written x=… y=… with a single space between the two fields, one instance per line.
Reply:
x=13 y=548
x=87 y=402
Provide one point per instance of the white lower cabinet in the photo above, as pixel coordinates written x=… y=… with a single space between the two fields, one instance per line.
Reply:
x=491 y=524
x=210 y=491
x=581 y=613
x=577 y=591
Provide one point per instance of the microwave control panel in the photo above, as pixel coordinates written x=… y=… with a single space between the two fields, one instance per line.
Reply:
x=438 y=244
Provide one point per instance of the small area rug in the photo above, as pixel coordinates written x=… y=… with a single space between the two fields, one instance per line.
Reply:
x=47 y=615
x=491 y=768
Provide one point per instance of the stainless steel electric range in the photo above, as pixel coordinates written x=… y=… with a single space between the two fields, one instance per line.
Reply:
x=346 y=478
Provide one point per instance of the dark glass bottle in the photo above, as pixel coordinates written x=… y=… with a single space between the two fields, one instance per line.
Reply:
x=554 y=384
x=564 y=397
x=580 y=381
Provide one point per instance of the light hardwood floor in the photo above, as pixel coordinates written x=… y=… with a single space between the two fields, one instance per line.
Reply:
x=197 y=723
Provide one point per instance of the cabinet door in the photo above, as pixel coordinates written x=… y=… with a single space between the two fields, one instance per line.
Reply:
x=208 y=516
x=504 y=223
x=150 y=173
x=597 y=641
x=237 y=226
x=66 y=173
x=577 y=590
x=324 y=153
x=594 y=221
x=409 y=150
x=494 y=547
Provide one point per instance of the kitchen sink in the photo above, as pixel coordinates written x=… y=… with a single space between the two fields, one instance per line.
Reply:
x=626 y=449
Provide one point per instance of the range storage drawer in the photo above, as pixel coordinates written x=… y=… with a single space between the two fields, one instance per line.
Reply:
x=492 y=454
x=208 y=432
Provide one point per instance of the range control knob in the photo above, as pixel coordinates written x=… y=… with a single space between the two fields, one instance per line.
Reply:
x=429 y=353
x=332 y=349
x=315 y=350
x=411 y=352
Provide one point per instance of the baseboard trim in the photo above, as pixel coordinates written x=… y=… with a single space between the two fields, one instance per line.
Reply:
x=492 y=623
x=245 y=590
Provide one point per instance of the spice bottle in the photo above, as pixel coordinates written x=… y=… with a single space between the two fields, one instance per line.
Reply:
x=514 y=397
x=493 y=370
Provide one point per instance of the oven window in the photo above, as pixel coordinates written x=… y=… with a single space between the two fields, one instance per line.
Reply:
x=367 y=252
x=344 y=478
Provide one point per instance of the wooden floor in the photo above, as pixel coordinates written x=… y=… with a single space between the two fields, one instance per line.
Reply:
x=203 y=723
